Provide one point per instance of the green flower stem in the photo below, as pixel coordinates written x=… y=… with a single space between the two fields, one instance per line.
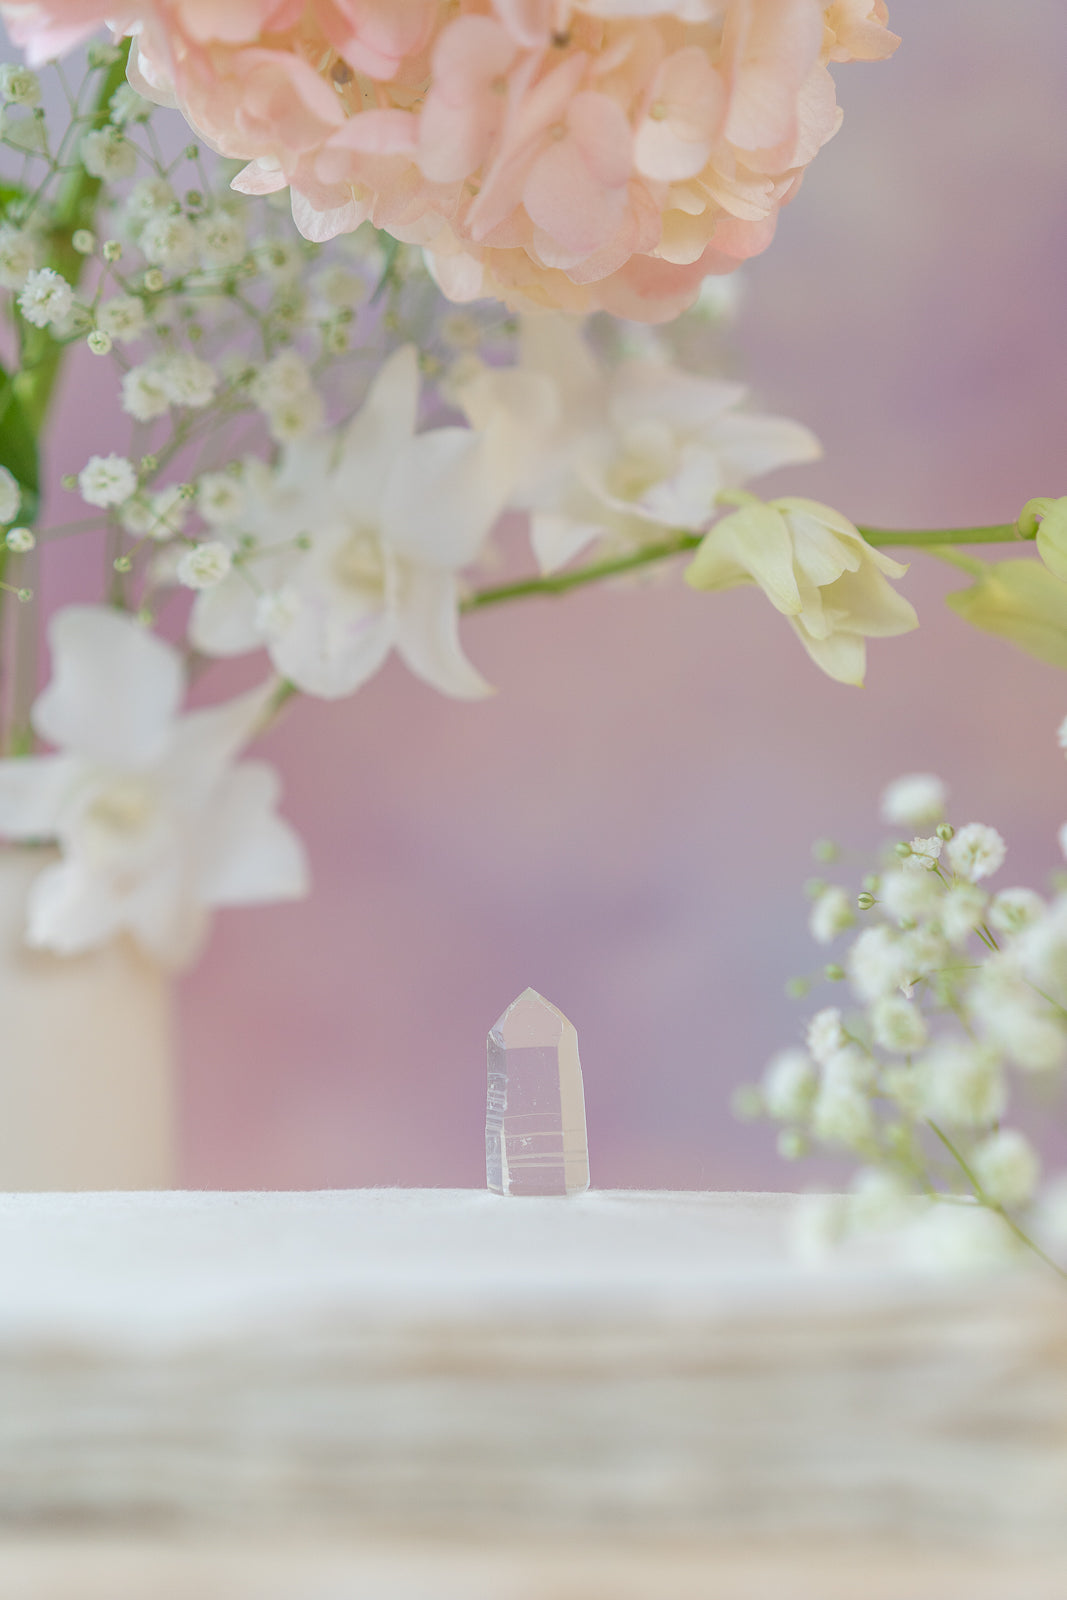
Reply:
x=991 y=1205
x=934 y=540
x=75 y=207
x=32 y=388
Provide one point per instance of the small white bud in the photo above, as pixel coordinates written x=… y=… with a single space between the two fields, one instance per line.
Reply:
x=20 y=540
x=99 y=342
x=83 y=241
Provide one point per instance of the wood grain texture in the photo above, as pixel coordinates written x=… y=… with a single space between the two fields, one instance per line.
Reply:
x=623 y=1372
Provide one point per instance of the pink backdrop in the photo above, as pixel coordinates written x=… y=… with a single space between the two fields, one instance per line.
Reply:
x=626 y=825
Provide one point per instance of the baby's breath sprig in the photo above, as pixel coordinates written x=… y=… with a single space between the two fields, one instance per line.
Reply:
x=959 y=1006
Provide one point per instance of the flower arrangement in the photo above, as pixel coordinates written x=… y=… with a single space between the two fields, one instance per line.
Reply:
x=326 y=416
x=959 y=1013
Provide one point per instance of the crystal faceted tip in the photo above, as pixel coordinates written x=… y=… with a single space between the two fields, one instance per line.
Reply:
x=535 y=1140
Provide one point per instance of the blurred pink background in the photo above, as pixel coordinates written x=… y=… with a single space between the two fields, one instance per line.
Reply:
x=626 y=826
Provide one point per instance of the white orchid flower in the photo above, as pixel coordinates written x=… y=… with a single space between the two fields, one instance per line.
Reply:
x=631 y=449
x=817 y=568
x=359 y=539
x=154 y=821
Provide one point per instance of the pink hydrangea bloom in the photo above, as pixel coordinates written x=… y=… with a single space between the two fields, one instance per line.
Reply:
x=581 y=154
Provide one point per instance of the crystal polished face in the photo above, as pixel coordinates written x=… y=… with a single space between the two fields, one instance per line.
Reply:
x=535 y=1140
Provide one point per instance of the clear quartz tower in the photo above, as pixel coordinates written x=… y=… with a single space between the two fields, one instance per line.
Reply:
x=535 y=1141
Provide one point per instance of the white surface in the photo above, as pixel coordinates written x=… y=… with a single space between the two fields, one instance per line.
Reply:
x=622 y=1367
x=170 y=1264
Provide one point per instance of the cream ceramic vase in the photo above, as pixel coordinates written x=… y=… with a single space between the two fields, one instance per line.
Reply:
x=86 y=1058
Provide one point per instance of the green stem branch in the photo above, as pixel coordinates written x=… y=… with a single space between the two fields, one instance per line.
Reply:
x=554 y=583
x=991 y=1205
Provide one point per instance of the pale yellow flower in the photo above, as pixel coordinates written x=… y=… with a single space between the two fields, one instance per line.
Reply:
x=1022 y=601
x=815 y=567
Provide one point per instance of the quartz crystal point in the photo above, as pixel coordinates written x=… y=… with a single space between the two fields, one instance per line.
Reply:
x=535 y=1139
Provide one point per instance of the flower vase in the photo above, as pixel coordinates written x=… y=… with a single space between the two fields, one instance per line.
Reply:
x=86 y=1057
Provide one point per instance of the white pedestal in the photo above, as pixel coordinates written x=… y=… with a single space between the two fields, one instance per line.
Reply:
x=415 y=1395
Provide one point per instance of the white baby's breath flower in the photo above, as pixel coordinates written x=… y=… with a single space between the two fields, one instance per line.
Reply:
x=18 y=85
x=1007 y=1166
x=123 y=317
x=46 y=297
x=126 y=105
x=222 y=242
x=925 y=951
x=18 y=252
x=293 y=420
x=28 y=133
x=825 y=1034
x=898 y=1025
x=338 y=288
x=964 y=1084
x=144 y=394
x=923 y=855
x=205 y=565
x=1017 y=1020
x=99 y=342
x=10 y=496
x=169 y=239
x=148 y=198
x=910 y=896
x=977 y=851
x=1041 y=951
x=790 y=1084
x=914 y=801
x=962 y=1238
x=20 y=540
x=962 y=909
x=849 y=1068
x=879 y=1199
x=1012 y=910
x=107 y=480
x=842 y=1115
x=220 y=498
x=188 y=381
x=906 y=1087
x=877 y=963
x=831 y=914
x=279 y=259
x=284 y=378
x=106 y=154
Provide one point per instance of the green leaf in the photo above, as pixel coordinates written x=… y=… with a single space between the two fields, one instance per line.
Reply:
x=1021 y=601
x=18 y=447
